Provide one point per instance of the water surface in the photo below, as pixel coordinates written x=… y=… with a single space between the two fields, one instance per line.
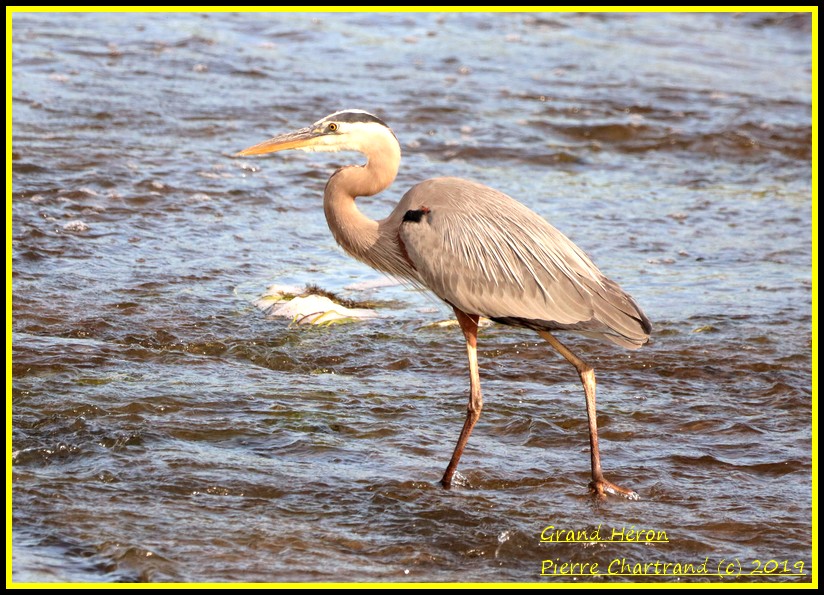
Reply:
x=165 y=430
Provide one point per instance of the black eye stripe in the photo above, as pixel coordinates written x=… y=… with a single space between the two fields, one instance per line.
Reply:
x=354 y=117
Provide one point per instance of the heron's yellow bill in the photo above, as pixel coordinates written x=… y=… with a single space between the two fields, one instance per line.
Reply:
x=299 y=139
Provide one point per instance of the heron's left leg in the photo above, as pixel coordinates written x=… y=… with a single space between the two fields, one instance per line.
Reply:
x=469 y=326
x=599 y=485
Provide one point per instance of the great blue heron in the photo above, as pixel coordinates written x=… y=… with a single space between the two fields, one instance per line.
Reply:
x=477 y=249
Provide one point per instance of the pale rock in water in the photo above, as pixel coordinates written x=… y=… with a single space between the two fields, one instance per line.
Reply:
x=286 y=302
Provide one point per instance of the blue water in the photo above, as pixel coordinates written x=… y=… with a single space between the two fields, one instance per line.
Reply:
x=165 y=430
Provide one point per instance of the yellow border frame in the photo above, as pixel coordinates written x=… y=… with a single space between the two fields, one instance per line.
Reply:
x=11 y=10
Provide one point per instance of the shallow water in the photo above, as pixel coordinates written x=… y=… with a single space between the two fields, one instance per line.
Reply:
x=165 y=430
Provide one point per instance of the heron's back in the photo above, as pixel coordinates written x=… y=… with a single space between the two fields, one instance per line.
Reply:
x=487 y=254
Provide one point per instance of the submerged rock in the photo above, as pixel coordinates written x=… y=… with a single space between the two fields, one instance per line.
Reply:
x=482 y=322
x=76 y=226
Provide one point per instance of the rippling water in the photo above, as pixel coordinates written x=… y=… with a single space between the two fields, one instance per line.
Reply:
x=165 y=430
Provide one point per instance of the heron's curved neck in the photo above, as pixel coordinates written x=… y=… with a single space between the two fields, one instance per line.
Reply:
x=355 y=232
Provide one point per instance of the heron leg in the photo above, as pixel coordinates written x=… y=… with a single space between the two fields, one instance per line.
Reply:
x=469 y=326
x=599 y=485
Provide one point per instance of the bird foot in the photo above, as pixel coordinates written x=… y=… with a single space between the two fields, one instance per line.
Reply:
x=456 y=480
x=601 y=487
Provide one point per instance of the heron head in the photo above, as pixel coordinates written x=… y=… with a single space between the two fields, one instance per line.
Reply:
x=347 y=130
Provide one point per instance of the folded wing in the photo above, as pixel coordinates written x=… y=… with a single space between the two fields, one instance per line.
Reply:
x=487 y=254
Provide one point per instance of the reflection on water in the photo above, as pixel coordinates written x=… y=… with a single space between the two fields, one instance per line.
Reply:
x=165 y=430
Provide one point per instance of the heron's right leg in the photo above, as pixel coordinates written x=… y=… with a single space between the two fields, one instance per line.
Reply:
x=469 y=326
x=599 y=484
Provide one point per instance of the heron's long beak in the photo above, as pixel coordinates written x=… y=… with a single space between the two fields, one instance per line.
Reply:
x=299 y=139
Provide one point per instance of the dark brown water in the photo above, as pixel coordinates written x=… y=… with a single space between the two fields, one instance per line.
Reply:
x=165 y=430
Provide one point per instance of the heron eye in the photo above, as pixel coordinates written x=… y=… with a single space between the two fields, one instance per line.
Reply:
x=333 y=127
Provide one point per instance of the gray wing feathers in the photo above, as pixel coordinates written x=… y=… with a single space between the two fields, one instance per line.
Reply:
x=487 y=254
